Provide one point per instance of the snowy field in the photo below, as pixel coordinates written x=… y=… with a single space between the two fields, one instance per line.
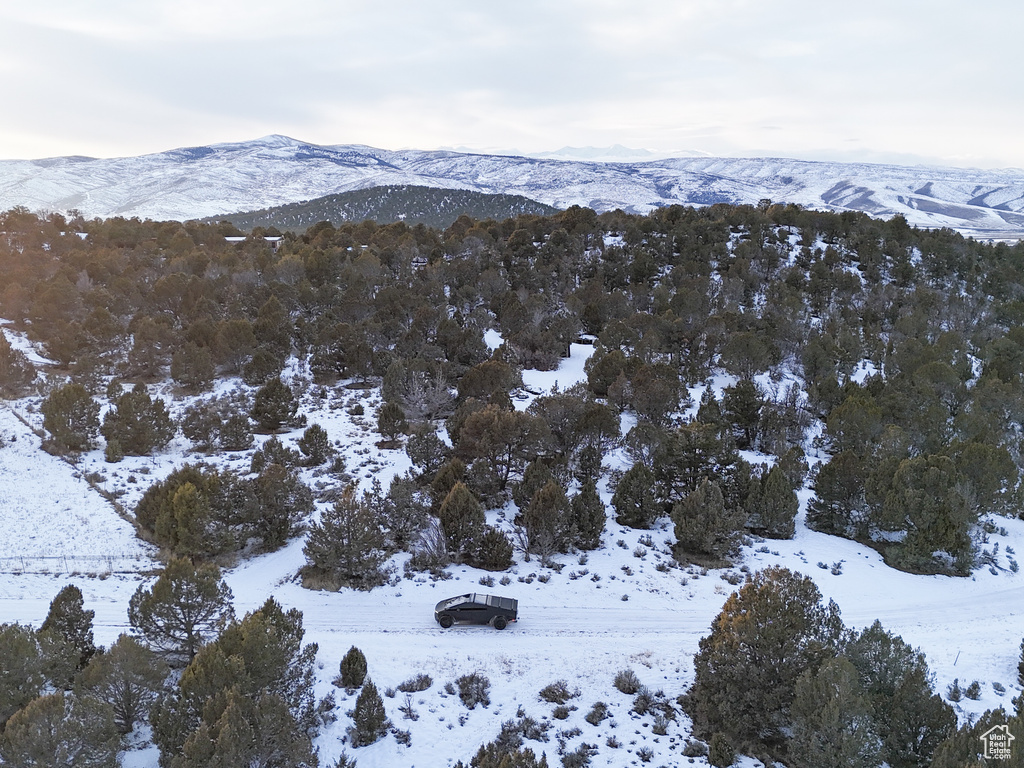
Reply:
x=625 y=605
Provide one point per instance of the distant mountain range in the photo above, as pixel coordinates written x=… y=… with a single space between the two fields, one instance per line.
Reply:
x=198 y=182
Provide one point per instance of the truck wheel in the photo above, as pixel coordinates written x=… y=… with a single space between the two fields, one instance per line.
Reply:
x=445 y=621
x=499 y=622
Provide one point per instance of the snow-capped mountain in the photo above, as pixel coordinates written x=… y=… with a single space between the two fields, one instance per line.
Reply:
x=205 y=181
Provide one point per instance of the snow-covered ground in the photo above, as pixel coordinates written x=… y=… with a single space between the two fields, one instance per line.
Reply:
x=626 y=605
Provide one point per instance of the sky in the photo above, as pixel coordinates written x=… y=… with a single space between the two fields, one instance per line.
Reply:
x=903 y=81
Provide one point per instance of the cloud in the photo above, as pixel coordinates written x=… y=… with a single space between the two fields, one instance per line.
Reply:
x=721 y=76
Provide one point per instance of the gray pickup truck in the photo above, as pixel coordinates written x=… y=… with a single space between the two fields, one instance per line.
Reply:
x=477 y=609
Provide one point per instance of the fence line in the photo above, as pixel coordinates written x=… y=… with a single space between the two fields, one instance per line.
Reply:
x=65 y=564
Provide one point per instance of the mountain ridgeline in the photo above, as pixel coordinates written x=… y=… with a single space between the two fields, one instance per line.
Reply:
x=437 y=208
x=221 y=179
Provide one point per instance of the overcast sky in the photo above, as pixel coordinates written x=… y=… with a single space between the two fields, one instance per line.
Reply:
x=908 y=81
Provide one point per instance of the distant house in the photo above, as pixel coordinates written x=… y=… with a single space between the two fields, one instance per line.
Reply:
x=275 y=242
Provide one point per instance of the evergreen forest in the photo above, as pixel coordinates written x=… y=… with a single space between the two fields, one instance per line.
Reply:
x=878 y=367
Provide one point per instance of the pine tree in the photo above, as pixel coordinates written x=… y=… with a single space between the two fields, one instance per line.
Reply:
x=61 y=731
x=68 y=620
x=72 y=418
x=185 y=608
x=352 y=670
x=346 y=546
x=588 y=516
x=633 y=500
x=369 y=719
x=462 y=518
x=703 y=523
x=767 y=635
x=832 y=720
x=274 y=405
x=127 y=677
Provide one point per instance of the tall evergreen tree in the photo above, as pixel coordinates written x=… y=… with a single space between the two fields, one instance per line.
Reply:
x=633 y=500
x=369 y=718
x=462 y=519
x=68 y=620
x=769 y=633
x=832 y=720
x=184 y=608
x=588 y=516
x=346 y=547
x=72 y=418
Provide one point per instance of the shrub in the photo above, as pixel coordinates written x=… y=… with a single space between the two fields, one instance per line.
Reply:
x=627 y=682
x=474 y=689
x=419 y=683
x=579 y=757
x=493 y=551
x=557 y=692
x=597 y=714
x=720 y=751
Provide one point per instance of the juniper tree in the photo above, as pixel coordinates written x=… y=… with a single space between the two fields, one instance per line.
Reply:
x=16 y=372
x=769 y=632
x=32 y=661
x=274 y=405
x=910 y=717
x=260 y=661
x=192 y=367
x=633 y=500
x=316 y=445
x=61 y=730
x=772 y=505
x=139 y=423
x=832 y=720
x=547 y=520
x=493 y=551
x=352 y=670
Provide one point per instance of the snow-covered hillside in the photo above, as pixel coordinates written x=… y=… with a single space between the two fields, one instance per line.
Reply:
x=205 y=181
x=626 y=605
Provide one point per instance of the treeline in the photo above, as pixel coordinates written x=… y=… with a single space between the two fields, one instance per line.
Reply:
x=906 y=344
